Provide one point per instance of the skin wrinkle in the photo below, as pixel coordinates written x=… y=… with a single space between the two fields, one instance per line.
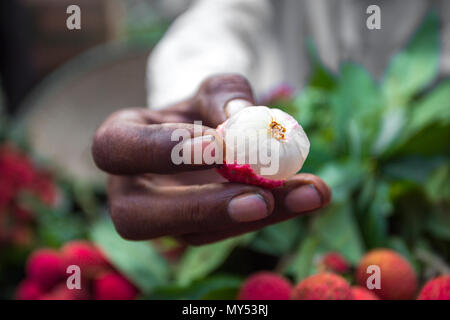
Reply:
x=150 y=197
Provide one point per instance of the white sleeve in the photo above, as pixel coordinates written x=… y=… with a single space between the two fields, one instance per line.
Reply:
x=214 y=36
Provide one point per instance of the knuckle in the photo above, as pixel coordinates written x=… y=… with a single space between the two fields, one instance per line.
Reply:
x=226 y=83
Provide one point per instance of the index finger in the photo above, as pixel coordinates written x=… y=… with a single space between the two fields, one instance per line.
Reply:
x=134 y=142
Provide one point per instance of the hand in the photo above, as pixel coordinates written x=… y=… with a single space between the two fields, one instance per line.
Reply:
x=150 y=196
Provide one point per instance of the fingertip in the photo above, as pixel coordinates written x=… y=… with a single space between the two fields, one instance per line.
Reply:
x=322 y=189
x=235 y=105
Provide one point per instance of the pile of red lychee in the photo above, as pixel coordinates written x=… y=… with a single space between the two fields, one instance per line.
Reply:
x=398 y=281
x=47 y=277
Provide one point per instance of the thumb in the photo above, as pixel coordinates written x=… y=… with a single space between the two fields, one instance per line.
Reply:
x=221 y=96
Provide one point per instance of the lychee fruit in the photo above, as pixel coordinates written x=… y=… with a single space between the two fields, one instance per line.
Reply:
x=323 y=286
x=360 y=293
x=334 y=262
x=114 y=286
x=397 y=277
x=45 y=267
x=436 y=289
x=265 y=286
x=263 y=147
x=85 y=255
x=28 y=290
x=62 y=292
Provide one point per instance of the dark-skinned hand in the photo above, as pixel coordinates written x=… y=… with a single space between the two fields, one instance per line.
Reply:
x=150 y=196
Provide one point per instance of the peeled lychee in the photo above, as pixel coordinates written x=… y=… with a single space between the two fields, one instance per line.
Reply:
x=28 y=290
x=323 y=286
x=334 y=262
x=360 y=293
x=45 y=267
x=263 y=147
x=397 y=277
x=265 y=286
x=85 y=255
x=113 y=286
x=436 y=289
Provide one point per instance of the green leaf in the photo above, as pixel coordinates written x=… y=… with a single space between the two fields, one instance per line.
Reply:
x=303 y=263
x=343 y=177
x=415 y=67
x=432 y=109
x=428 y=129
x=213 y=288
x=438 y=185
x=198 y=262
x=278 y=239
x=136 y=260
x=374 y=223
x=336 y=228
x=355 y=107
x=311 y=105
x=393 y=122
x=55 y=225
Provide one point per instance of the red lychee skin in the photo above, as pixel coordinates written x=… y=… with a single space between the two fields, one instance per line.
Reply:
x=398 y=278
x=334 y=262
x=45 y=267
x=85 y=255
x=113 y=286
x=265 y=286
x=436 y=289
x=28 y=290
x=243 y=173
x=360 y=293
x=323 y=286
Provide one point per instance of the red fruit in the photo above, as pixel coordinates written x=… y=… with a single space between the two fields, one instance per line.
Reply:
x=85 y=255
x=15 y=168
x=45 y=267
x=334 y=262
x=243 y=173
x=360 y=293
x=61 y=292
x=323 y=286
x=397 y=277
x=436 y=289
x=18 y=173
x=265 y=286
x=113 y=286
x=28 y=290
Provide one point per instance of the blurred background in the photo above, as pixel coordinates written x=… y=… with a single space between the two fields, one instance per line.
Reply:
x=387 y=162
x=56 y=68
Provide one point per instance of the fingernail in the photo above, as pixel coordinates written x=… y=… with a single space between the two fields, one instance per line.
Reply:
x=236 y=105
x=247 y=207
x=303 y=198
